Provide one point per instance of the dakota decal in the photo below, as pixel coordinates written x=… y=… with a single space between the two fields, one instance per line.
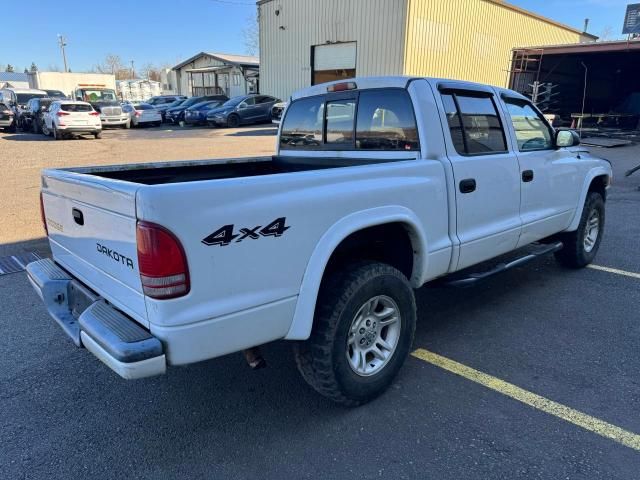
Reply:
x=118 y=257
x=225 y=235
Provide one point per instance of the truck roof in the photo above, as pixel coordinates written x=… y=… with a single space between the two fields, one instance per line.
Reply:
x=399 y=81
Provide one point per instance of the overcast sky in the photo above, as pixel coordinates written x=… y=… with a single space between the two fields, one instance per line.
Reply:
x=166 y=31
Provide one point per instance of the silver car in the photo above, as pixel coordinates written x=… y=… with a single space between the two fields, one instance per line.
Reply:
x=142 y=114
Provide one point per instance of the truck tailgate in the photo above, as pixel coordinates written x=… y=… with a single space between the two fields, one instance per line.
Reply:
x=92 y=233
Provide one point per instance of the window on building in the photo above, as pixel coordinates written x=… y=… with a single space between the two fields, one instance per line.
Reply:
x=302 y=126
x=236 y=79
x=532 y=130
x=386 y=121
x=475 y=119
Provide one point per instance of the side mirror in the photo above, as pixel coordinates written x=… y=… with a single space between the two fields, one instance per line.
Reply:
x=567 y=138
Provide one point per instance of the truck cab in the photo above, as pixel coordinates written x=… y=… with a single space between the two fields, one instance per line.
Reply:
x=105 y=101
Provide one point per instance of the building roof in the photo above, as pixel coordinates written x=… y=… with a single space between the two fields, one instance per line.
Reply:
x=233 y=59
x=14 y=77
x=592 y=47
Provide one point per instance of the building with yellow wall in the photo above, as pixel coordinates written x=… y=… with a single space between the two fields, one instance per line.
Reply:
x=303 y=42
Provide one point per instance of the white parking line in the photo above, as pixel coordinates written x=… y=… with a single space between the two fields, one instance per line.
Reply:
x=616 y=271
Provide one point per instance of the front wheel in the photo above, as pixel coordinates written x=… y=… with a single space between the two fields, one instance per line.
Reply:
x=56 y=134
x=45 y=129
x=363 y=329
x=233 y=121
x=581 y=246
x=97 y=135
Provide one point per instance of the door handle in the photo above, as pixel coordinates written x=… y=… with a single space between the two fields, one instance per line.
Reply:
x=78 y=217
x=468 y=185
x=527 y=175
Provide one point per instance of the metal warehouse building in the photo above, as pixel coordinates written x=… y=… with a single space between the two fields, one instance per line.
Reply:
x=304 y=42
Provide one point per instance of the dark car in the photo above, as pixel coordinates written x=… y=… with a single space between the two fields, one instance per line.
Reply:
x=164 y=99
x=31 y=117
x=243 y=110
x=197 y=114
x=176 y=114
x=166 y=106
x=57 y=94
x=7 y=118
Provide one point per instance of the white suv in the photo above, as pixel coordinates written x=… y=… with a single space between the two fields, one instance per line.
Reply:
x=67 y=118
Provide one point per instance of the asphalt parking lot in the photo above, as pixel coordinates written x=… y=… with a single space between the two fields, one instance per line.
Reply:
x=569 y=337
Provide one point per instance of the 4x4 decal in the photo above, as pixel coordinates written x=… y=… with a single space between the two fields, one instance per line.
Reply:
x=225 y=235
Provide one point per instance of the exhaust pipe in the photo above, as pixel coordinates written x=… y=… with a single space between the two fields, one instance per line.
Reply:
x=254 y=358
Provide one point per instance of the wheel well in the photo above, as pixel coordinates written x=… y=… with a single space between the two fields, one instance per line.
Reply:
x=599 y=184
x=389 y=243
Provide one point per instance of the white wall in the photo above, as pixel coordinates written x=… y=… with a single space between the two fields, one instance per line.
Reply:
x=378 y=27
x=67 y=82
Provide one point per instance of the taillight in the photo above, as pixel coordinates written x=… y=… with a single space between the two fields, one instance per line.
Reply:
x=94 y=114
x=138 y=113
x=62 y=114
x=42 y=215
x=162 y=262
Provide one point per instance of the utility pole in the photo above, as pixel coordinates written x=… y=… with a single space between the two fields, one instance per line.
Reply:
x=62 y=42
x=133 y=72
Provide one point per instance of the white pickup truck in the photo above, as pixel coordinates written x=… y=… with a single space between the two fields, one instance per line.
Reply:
x=379 y=185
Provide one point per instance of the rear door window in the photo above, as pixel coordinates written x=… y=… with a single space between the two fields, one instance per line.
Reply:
x=474 y=123
x=386 y=121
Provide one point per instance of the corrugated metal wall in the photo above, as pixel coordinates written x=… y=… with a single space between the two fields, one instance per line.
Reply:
x=472 y=39
x=285 y=39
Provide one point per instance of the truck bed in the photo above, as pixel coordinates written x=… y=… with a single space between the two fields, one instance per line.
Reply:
x=191 y=171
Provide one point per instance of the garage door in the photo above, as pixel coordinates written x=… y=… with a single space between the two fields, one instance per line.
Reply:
x=333 y=62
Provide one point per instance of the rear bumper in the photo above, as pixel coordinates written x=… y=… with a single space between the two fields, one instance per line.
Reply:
x=113 y=120
x=83 y=129
x=90 y=322
x=6 y=122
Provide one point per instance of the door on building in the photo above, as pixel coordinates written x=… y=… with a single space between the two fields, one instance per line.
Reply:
x=486 y=175
x=551 y=183
x=333 y=62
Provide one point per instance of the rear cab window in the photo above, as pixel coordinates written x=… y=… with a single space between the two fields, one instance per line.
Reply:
x=376 y=119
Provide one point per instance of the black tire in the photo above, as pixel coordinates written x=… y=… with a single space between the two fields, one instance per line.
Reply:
x=233 y=121
x=574 y=254
x=322 y=359
x=56 y=134
x=35 y=128
x=11 y=128
x=97 y=135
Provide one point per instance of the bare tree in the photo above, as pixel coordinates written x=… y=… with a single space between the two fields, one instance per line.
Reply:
x=251 y=35
x=607 y=34
x=112 y=64
x=151 y=72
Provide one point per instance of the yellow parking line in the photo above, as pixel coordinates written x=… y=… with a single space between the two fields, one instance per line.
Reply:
x=570 y=415
x=615 y=270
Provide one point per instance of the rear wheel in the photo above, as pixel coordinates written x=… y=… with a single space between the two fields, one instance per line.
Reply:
x=56 y=134
x=581 y=246
x=233 y=121
x=363 y=330
x=45 y=129
x=97 y=135
x=11 y=128
x=35 y=128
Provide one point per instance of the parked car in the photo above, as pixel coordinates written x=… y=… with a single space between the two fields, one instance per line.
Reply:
x=32 y=116
x=142 y=114
x=16 y=99
x=176 y=114
x=243 y=110
x=56 y=94
x=166 y=106
x=197 y=114
x=7 y=118
x=323 y=243
x=69 y=118
x=164 y=99
x=276 y=112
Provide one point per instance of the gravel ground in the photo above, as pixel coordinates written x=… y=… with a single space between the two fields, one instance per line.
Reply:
x=23 y=156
